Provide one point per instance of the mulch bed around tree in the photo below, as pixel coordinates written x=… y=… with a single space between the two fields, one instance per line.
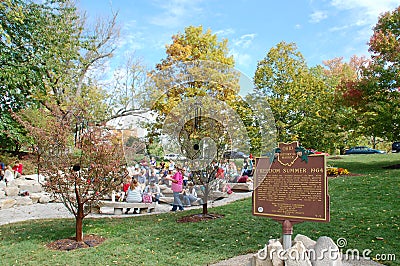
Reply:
x=199 y=217
x=71 y=244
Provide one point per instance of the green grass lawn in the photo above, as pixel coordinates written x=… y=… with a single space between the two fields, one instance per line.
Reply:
x=364 y=211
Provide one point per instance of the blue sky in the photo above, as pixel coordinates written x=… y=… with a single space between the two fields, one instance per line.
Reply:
x=322 y=29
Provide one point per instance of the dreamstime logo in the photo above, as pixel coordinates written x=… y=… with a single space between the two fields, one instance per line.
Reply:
x=330 y=253
x=355 y=254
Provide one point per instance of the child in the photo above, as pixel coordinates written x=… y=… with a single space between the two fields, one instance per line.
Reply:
x=190 y=195
x=154 y=190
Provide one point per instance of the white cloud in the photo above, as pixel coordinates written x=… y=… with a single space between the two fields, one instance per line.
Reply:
x=317 y=16
x=368 y=9
x=175 y=12
x=355 y=20
x=336 y=29
x=239 y=49
x=132 y=41
x=225 y=32
x=244 y=41
x=242 y=59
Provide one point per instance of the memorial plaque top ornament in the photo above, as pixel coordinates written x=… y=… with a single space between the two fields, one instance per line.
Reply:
x=291 y=184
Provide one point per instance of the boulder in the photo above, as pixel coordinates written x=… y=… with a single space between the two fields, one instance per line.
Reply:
x=23 y=182
x=7 y=203
x=241 y=187
x=307 y=242
x=44 y=198
x=11 y=191
x=22 y=201
x=167 y=200
x=215 y=195
x=325 y=252
x=35 y=197
x=2 y=184
x=166 y=191
x=270 y=255
x=275 y=250
x=197 y=202
x=2 y=194
x=12 y=183
x=297 y=255
x=32 y=188
x=163 y=186
x=35 y=177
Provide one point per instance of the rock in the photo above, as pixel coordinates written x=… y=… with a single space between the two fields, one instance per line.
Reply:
x=35 y=188
x=297 y=255
x=11 y=191
x=35 y=197
x=22 y=201
x=275 y=249
x=2 y=194
x=35 y=177
x=166 y=191
x=325 y=252
x=167 y=200
x=197 y=202
x=44 y=199
x=308 y=242
x=2 y=185
x=23 y=182
x=12 y=183
x=215 y=195
x=263 y=256
x=241 y=187
x=162 y=187
x=7 y=203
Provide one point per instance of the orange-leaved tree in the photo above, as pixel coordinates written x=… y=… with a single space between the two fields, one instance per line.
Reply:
x=81 y=162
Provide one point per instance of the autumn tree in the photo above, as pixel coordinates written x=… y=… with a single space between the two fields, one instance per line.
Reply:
x=378 y=89
x=346 y=124
x=81 y=164
x=191 y=90
x=197 y=64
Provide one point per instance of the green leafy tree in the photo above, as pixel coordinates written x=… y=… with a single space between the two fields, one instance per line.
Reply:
x=46 y=56
x=294 y=94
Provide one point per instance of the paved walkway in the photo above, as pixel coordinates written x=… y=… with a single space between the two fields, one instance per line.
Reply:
x=58 y=210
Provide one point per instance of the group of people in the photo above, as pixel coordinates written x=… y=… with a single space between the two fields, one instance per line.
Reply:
x=145 y=187
x=143 y=181
x=8 y=173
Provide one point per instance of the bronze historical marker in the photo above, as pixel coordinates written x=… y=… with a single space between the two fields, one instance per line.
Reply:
x=291 y=185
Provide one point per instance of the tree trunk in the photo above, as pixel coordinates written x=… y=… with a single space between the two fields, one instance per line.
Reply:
x=205 y=209
x=79 y=224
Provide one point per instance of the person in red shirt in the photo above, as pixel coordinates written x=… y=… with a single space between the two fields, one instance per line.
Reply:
x=125 y=187
x=126 y=184
x=17 y=168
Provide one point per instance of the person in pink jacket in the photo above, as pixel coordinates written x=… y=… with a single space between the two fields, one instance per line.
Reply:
x=176 y=186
